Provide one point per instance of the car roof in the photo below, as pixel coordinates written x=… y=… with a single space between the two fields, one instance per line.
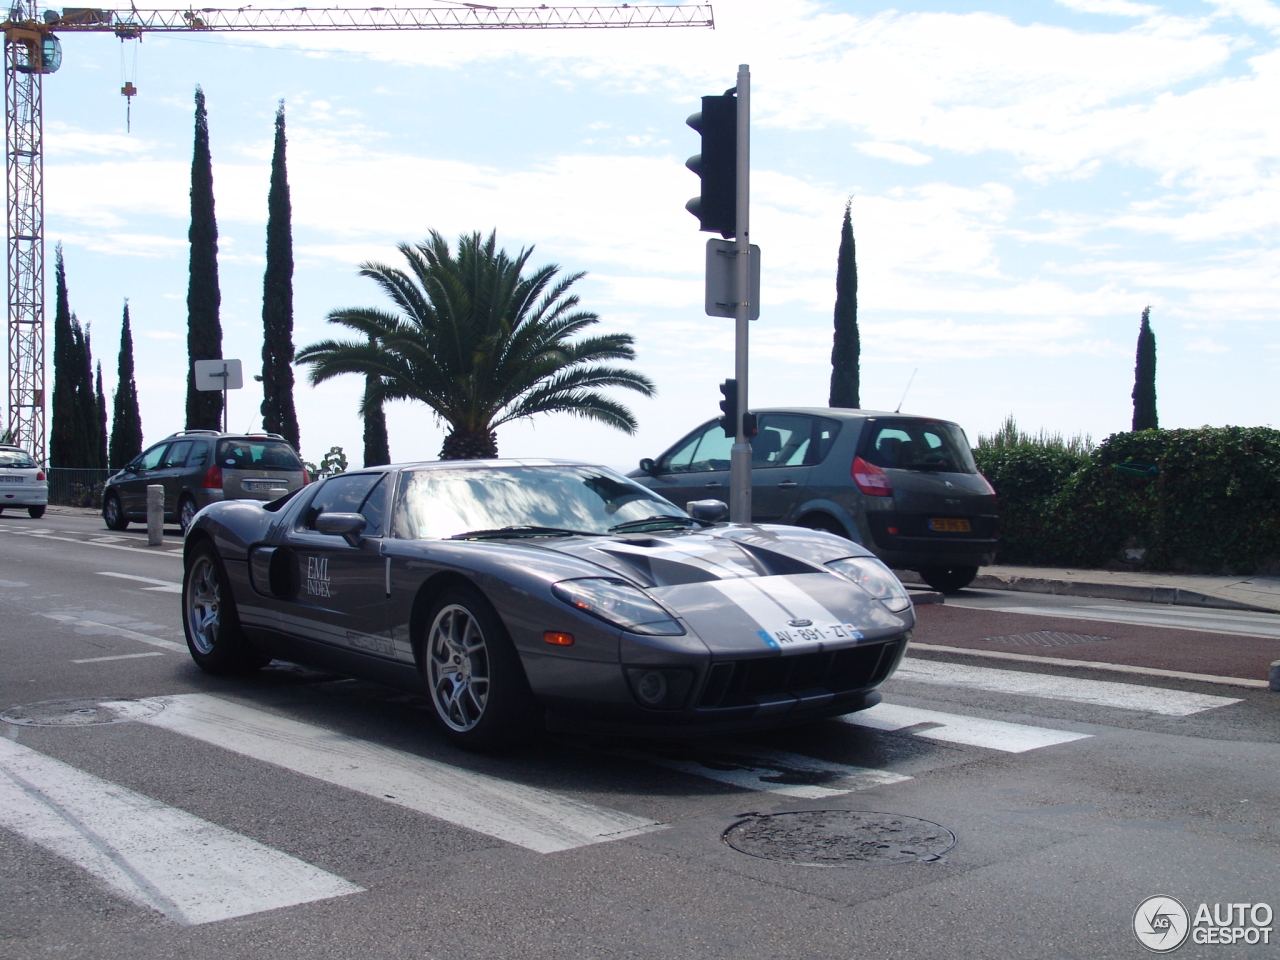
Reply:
x=846 y=413
x=218 y=434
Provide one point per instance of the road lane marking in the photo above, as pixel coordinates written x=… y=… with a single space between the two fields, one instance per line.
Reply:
x=526 y=816
x=119 y=631
x=1102 y=693
x=958 y=728
x=159 y=586
x=1096 y=665
x=157 y=856
x=773 y=771
x=123 y=656
x=1180 y=620
x=148 y=551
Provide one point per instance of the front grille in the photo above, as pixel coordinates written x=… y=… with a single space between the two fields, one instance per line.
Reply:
x=737 y=683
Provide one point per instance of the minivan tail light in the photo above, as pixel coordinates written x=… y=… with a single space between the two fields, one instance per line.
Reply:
x=213 y=478
x=39 y=475
x=870 y=479
x=306 y=477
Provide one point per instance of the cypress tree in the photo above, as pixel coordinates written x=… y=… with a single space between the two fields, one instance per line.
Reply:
x=85 y=443
x=278 y=415
x=846 y=349
x=1144 y=378
x=376 y=449
x=61 y=453
x=126 y=422
x=102 y=420
x=204 y=330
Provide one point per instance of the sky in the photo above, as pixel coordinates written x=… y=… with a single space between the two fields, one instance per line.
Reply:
x=1025 y=178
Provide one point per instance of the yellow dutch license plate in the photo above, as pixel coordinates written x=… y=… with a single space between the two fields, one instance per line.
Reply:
x=949 y=525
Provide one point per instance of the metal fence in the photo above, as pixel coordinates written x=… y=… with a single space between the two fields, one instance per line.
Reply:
x=74 y=487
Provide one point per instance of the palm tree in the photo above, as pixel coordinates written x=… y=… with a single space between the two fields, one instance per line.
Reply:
x=479 y=343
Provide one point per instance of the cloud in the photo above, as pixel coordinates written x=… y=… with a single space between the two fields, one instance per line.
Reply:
x=896 y=152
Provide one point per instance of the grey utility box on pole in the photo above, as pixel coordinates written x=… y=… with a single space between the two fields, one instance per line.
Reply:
x=221 y=375
x=722 y=279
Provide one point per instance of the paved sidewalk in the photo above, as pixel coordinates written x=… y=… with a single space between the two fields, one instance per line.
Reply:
x=1230 y=593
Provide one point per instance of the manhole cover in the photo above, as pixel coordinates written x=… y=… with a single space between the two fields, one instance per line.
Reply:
x=834 y=838
x=81 y=713
x=1045 y=638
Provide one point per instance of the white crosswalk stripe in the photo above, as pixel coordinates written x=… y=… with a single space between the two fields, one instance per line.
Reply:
x=529 y=817
x=772 y=771
x=1104 y=693
x=958 y=728
x=157 y=856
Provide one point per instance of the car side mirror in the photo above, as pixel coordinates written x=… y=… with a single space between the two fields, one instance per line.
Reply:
x=349 y=526
x=648 y=467
x=711 y=510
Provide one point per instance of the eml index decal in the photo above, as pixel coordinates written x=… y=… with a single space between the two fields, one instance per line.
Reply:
x=318 y=577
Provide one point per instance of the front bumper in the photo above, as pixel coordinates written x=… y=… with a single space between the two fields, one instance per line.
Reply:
x=729 y=694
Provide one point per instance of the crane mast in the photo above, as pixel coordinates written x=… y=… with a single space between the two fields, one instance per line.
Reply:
x=32 y=50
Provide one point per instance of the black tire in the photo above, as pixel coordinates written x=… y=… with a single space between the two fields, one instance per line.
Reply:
x=948 y=579
x=819 y=522
x=187 y=511
x=473 y=674
x=113 y=513
x=35 y=513
x=209 y=620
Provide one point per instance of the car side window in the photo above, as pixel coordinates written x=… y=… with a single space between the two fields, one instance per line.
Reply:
x=348 y=493
x=680 y=459
x=199 y=456
x=151 y=459
x=176 y=455
x=714 y=450
x=783 y=440
x=824 y=435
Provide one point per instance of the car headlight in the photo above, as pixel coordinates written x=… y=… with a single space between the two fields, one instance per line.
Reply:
x=618 y=603
x=875 y=578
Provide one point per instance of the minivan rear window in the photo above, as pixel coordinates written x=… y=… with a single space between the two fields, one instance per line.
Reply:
x=911 y=444
x=257 y=455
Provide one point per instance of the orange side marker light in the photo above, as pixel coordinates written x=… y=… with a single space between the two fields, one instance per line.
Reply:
x=558 y=638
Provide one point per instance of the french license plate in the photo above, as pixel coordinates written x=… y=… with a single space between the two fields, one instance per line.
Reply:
x=4 y=479
x=264 y=485
x=950 y=525
x=790 y=636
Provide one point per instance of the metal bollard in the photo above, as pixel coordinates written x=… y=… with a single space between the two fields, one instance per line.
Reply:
x=1275 y=676
x=155 y=514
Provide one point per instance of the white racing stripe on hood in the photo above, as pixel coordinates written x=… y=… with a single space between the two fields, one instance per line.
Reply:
x=773 y=602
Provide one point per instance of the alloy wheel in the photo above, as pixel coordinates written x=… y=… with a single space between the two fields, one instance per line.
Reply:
x=458 y=667
x=204 y=608
x=186 y=513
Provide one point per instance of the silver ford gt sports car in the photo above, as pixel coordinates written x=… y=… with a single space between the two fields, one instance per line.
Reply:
x=518 y=592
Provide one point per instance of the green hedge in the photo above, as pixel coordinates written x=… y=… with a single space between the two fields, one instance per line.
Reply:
x=1211 y=505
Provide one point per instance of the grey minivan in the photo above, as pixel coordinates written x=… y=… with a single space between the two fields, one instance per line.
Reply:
x=904 y=486
x=199 y=467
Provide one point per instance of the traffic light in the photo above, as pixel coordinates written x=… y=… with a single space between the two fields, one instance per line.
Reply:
x=729 y=407
x=717 y=206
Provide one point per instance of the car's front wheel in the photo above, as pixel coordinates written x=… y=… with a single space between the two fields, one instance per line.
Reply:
x=476 y=682
x=948 y=579
x=113 y=513
x=35 y=513
x=214 y=636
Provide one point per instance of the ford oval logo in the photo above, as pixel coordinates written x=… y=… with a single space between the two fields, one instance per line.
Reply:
x=799 y=623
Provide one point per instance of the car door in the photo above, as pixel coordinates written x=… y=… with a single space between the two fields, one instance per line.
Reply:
x=133 y=488
x=780 y=464
x=341 y=597
x=696 y=468
x=169 y=471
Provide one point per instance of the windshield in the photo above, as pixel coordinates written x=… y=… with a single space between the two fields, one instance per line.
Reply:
x=257 y=455
x=16 y=458
x=911 y=444
x=435 y=504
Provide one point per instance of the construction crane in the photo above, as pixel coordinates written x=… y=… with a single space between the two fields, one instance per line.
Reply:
x=32 y=49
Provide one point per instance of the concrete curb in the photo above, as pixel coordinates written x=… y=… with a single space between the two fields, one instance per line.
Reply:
x=1113 y=591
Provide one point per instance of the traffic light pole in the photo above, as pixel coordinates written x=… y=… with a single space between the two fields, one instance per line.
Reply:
x=740 y=457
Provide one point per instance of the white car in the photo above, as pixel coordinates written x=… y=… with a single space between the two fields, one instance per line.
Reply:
x=22 y=482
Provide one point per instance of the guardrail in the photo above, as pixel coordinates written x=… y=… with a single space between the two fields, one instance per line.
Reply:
x=76 y=487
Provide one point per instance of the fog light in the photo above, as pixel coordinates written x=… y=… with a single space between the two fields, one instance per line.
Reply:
x=651 y=688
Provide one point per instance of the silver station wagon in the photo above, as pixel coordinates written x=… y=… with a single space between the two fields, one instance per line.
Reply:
x=903 y=486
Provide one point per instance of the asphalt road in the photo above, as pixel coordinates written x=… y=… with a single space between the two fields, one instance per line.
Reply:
x=299 y=814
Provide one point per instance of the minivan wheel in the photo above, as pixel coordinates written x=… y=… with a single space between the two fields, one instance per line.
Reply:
x=948 y=579
x=187 y=511
x=113 y=513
